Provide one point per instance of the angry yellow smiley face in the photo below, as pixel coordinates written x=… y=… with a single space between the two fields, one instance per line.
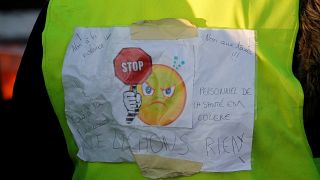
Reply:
x=163 y=96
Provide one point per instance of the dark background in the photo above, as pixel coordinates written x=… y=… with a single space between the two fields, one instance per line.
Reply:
x=12 y=47
x=21 y=5
x=32 y=142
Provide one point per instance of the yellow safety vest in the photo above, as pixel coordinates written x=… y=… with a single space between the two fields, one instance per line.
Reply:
x=280 y=149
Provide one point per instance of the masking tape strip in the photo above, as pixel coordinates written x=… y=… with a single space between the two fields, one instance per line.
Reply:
x=163 y=29
x=154 y=166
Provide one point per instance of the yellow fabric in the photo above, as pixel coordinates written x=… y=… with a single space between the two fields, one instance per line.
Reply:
x=280 y=150
x=317 y=162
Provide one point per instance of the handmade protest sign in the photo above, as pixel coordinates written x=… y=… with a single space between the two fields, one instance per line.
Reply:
x=195 y=97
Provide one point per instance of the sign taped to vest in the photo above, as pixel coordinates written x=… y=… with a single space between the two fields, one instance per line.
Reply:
x=190 y=100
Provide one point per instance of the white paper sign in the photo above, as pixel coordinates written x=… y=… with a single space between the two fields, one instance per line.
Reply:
x=190 y=99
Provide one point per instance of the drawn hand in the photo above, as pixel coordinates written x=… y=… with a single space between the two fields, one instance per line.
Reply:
x=132 y=101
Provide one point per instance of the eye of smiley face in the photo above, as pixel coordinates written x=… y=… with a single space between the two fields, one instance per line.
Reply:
x=168 y=92
x=147 y=90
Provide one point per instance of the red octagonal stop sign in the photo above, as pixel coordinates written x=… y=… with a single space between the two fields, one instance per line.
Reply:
x=132 y=65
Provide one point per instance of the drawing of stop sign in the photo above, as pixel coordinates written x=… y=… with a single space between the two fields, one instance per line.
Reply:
x=132 y=65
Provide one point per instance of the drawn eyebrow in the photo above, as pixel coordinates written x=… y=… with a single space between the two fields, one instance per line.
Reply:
x=167 y=87
x=148 y=84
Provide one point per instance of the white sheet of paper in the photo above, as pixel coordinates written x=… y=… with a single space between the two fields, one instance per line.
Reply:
x=197 y=103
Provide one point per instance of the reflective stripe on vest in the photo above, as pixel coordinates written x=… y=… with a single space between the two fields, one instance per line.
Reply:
x=280 y=149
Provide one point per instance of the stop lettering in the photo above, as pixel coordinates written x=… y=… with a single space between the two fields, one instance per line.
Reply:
x=132 y=66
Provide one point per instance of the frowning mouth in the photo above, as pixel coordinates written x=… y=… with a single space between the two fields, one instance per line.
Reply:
x=158 y=103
